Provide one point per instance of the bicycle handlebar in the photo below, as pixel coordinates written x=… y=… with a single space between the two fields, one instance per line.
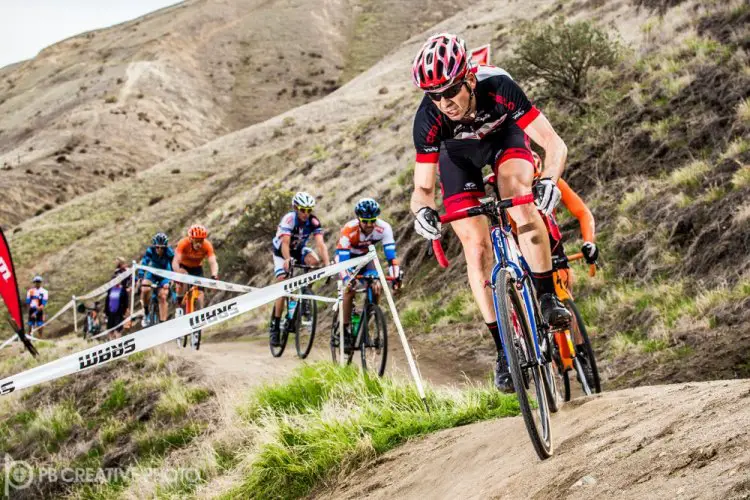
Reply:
x=371 y=277
x=579 y=256
x=437 y=247
x=481 y=209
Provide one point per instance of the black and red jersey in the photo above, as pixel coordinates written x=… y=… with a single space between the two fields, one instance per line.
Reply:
x=500 y=104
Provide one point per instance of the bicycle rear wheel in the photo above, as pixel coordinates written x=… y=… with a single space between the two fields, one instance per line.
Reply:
x=335 y=342
x=277 y=351
x=528 y=378
x=584 y=351
x=306 y=319
x=153 y=315
x=374 y=344
x=181 y=341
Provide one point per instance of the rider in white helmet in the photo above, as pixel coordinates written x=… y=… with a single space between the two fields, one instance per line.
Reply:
x=292 y=234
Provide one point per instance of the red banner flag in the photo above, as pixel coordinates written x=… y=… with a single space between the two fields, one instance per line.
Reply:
x=9 y=292
x=481 y=55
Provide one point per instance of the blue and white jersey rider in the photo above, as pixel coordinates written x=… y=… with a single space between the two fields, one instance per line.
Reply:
x=368 y=229
x=298 y=225
x=37 y=298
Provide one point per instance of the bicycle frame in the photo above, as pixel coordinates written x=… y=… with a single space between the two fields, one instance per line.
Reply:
x=506 y=252
x=508 y=256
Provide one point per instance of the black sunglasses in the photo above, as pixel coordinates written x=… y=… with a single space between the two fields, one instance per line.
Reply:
x=448 y=93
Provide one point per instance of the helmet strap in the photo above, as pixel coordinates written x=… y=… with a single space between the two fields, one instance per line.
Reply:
x=469 y=113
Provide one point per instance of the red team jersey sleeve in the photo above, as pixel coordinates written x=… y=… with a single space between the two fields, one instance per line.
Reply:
x=428 y=125
x=510 y=99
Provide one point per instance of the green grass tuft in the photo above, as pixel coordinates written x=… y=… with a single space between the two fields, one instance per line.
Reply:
x=690 y=175
x=118 y=397
x=327 y=419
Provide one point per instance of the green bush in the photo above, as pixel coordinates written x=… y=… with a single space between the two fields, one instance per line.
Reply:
x=560 y=56
x=263 y=215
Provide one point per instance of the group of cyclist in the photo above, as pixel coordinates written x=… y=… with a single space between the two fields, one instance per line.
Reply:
x=186 y=258
x=296 y=228
x=470 y=116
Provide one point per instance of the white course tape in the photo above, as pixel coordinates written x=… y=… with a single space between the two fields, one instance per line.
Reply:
x=8 y=342
x=129 y=318
x=103 y=288
x=319 y=298
x=194 y=280
x=167 y=331
x=53 y=318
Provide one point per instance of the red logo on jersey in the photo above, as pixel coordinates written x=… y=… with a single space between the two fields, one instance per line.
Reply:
x=505 y=102
x=432 y=134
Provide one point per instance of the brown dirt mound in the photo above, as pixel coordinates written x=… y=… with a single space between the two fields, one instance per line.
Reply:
x=679 y=441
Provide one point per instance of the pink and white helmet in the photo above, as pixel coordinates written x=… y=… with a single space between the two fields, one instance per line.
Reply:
x=440 y=63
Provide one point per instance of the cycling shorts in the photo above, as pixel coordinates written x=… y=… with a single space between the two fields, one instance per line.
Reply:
x=278 y=260
x=36 y=317
x=194 y=271
x=461 y=162
x=159 y=281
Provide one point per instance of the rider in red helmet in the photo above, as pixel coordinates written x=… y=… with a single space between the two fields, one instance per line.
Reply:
x=189 y=255
x=473 y=116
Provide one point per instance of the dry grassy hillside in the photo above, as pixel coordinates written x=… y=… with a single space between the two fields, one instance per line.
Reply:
x=679 y=95
x=106 y=104
x=662 y=157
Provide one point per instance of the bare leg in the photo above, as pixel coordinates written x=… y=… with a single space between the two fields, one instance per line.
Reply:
x=475 y=239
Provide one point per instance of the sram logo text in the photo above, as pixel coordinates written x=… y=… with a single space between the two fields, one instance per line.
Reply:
x=110 y=352
x=208 y=316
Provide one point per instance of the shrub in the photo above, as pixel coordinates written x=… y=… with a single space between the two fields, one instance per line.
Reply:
x=262 y=216
x=561 y=56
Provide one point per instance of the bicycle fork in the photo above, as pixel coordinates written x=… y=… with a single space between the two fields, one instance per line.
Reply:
x=507 y=257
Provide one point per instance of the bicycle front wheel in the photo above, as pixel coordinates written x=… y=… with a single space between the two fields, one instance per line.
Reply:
x=306 y=319
x=374 y=344
x=524 y=366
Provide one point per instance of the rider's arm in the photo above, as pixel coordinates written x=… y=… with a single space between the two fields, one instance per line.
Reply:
x=28 y=296
x=424 y=186
x=322 y=249
x=427 y=135
x=285 y=239
x=145 y=261
x=213 y=264
x=344 y=246
x=556 y=152
x=511 y=99
x=389 y=244
x=580 y=211
x=176 y=260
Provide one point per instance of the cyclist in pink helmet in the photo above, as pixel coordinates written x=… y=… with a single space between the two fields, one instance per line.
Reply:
x=472 y=116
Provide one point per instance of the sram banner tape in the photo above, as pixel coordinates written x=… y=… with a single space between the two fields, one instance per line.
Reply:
x=169 y=330
x=195 y=280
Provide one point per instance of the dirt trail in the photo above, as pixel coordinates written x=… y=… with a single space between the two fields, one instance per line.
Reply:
x=679 y=441
x=238 y=365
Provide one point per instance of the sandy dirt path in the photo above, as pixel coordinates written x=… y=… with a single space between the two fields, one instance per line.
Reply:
x=679 y=441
